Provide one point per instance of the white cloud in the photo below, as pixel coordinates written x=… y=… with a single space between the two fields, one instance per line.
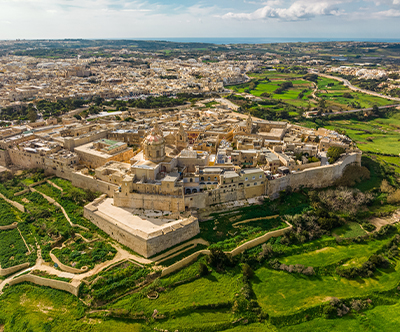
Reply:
x=388 y=13
x=299 y=10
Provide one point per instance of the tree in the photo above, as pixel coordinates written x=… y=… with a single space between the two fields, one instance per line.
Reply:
x=203 y=269
x=334 y=153
x=247 y=271
x=32 y=116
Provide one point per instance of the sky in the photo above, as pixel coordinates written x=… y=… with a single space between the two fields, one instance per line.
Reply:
x=157 y=19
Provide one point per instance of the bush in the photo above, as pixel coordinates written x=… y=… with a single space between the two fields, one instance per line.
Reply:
x=334 y=153
x=352 y=175
x=247 y=271
x=203 y=269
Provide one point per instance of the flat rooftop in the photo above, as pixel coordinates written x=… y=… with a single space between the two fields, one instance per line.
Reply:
x=142 y=226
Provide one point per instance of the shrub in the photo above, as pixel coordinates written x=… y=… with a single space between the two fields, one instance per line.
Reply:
x=203 y=269
x=334 y=153
x=394 y=198
x=247 y=271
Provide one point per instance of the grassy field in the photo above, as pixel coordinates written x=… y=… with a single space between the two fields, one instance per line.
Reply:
x=349 y=230
x=333 y=255
x=380 y=135
x=331 y=90
x=382 y=318
x=290 y=96
x=281 y=293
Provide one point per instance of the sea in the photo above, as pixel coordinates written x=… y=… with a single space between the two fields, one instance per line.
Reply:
x=266 y=40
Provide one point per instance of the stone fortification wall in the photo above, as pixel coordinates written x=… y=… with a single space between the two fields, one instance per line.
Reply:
x=88 y=182
x=145 y=244
x=150 y=202
x=70 y=143
x=13 y=269
x=223 y=195
x=306 y=166
x=15 y=204
x=317 y=177
x=4 y=158
x=188 y=229
x=56 y=284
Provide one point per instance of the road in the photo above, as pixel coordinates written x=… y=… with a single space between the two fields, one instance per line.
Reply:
x=352 y=87
x=361 y=109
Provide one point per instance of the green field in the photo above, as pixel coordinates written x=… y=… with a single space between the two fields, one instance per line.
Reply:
x=380 y=135
x=289 y=96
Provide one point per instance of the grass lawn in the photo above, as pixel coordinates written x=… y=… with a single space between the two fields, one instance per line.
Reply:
x=280 y=293
x=12 y=249
x=349 y=230
x=334 y=254
x=377 y=135
x=381 y=318
x=30 y=308
x=212 y=289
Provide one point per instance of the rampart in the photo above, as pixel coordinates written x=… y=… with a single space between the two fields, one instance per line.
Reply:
x=317 y=177
x=56 y=284
x=150 y=202
x=13 y=269
x=146 y=244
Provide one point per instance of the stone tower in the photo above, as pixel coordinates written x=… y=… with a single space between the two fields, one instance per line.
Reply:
x=154 y=145
x=181 y=138
x=249 y=125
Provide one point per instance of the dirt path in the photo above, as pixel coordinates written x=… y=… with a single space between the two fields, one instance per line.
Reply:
x=380 y=222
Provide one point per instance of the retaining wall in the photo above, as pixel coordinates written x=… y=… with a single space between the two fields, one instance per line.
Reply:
x=8 y=227
x=15 y=204
x=66 y=268
x=13 y=269
x=250 y=244
x=56 y=284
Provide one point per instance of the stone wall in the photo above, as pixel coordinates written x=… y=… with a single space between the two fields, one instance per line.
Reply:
x=4 y=158
x=8 y=227
x=248 y=245
x=255 y=242
x=150 y=202
x=88 y=182
x=64 y=267
x=13 y=269
x=15 y=204
x=56 y=284
x=70 y=143
x=317 y=177
x=145 y=244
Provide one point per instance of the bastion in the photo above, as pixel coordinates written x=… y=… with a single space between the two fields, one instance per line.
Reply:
x=145 y=235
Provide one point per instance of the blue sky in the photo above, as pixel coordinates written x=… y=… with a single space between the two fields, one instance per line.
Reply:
x=192 y=18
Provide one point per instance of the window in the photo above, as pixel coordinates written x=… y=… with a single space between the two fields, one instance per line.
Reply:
x=255 y=183
x=246 y=179
x=209 y=179
x=215 y=178
x=254 y=177
x=191 y=180
x=202 y=178
x=260 y=176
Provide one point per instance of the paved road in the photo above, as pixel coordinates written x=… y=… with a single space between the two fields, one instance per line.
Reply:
x=352 y=87
x=361 y=109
